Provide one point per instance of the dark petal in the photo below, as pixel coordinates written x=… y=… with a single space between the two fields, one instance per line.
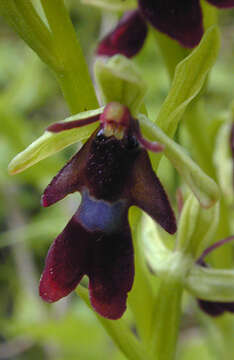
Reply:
x=153 y=146
x=127 y=38
x=181 y=20
x=66 y=262
x=222 y=3
x=148 y=193
x=69 y=179
x=211 y=308
x=229 y=306
x=216 y=308
x=61 y=126
x=111 y=273
x=211 y=248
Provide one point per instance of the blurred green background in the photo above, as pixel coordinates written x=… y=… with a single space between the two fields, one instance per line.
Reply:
x=30 y=100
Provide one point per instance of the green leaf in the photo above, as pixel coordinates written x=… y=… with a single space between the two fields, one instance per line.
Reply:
x=50 y=143
x=119 y=80
x=203 y=187
x=115 y=5
x=190 y=75
x=23 y=18
x=211 y=284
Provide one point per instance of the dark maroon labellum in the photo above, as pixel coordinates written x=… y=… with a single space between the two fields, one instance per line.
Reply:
x=179 y=19
x=113 y=172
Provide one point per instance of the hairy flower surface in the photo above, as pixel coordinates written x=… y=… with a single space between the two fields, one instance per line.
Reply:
x=113 y=172
x=181 y=20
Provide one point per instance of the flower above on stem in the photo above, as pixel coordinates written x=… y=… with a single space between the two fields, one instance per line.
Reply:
x=113 y=172
x=181 y=20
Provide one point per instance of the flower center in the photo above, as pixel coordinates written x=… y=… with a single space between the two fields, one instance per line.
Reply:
x=115 y=120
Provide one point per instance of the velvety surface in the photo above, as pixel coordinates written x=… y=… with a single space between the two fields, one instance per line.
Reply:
x=127 y=38
x=111 y=175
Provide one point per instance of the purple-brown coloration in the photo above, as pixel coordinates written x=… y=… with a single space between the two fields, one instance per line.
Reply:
x=180 y=19
x=214 y=308
x=149 y=145
x=214 y=246
x=107 y=258
x=112 y=174
x=222 y=3
x=127 y=38
x=61 y=126
x=115 y=115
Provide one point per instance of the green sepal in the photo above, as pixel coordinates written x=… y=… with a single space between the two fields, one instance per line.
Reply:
x=190 y=75
x=114 y=5
x=224 y=162
x=203 y=187
x=50 y=143
x=197 y=227
x=119 y=80
x=211 y=284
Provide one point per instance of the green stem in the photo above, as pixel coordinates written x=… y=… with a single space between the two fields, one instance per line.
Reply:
x=167 y=319
x=138 y=302
x=21 y=15
x=74 y=77
x=119 y=332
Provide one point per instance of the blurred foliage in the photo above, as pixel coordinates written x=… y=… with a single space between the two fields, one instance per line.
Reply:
x=29 y=101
